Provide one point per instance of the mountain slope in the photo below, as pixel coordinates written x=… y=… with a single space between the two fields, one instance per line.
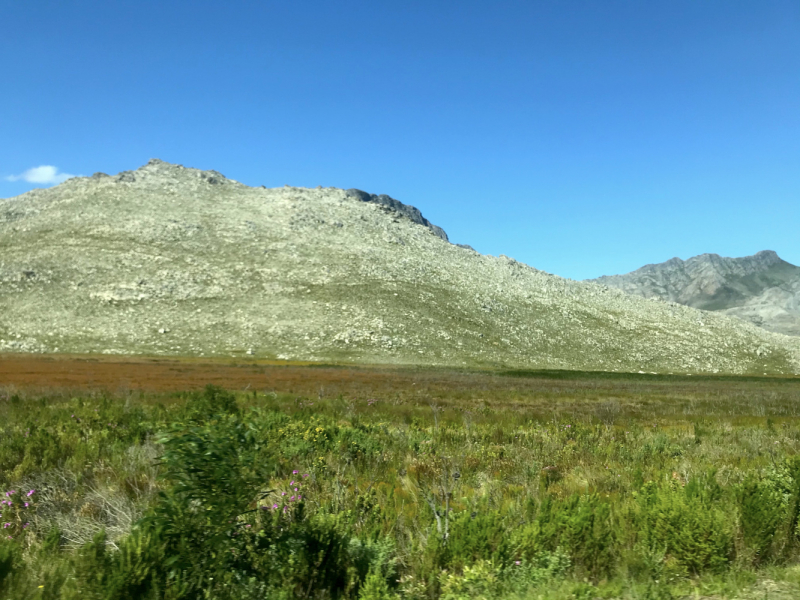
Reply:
x=762 y=288
x=171 y=260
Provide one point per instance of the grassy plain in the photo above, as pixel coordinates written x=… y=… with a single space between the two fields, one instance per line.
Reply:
x=410 y=483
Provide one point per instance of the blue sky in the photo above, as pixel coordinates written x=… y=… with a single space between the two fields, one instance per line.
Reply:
x=581 y=137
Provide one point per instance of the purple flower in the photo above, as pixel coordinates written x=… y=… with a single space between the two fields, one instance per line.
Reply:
x=283 y=493
x=291 y=482
x=274 y=506
x=305 y=474
x=299 y=497
x=30 y=493
x=291 y=499
x=6 y=525
x=25 y=525
x=517 y=562
x=295 y=472
x=26 y=505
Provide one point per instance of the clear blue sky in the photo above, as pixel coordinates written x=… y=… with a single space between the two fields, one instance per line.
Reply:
x=581 y=137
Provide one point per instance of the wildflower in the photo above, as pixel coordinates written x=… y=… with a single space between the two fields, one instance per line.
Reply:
x=295 y=472
x=30 y=493
x=517 y=562
x=26 y=505
x=291 y=482
x=248 y=525
x=291 y=499
x=274 y=506
x=295 y=489
x=283 y=493
x=299 y=497
x=6 y=526
x=25 y=525
x=305 y=474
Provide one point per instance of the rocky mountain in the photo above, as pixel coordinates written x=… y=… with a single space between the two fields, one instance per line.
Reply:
x=761 y=289
x=167 y=260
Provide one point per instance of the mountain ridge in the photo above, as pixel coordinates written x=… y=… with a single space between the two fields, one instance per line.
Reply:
x=762 y=289
x=167 y=260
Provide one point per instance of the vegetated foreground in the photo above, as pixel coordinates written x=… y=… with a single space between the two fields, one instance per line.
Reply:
x=371 y=483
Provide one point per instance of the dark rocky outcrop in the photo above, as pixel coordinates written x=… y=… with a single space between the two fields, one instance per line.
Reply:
x=411 y=212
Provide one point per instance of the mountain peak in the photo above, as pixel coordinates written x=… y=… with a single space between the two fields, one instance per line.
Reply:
x=768 y=256
x=762 y=288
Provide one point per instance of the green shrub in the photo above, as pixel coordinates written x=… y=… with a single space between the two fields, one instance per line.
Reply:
x=476 y=535
x=309 y=437
x=689 y=524
x=92 y=564
x=375 y=587
x=293 y=554
x=207 y=536
x=139 y=568
x=580 y=526
x=480 y=580
x=211 y=402
x=10 y=558
x=762 y=509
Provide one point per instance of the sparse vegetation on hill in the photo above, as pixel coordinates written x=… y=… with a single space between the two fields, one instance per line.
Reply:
x=167 y=260
x=568 y=485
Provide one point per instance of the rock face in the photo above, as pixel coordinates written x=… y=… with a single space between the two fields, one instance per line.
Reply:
x=761 y=289
x=167 y=260
x=410 y=212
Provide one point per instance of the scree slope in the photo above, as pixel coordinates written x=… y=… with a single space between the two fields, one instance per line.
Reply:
x=168 y=260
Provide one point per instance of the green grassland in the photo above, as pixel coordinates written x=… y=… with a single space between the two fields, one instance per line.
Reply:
x=537 y=484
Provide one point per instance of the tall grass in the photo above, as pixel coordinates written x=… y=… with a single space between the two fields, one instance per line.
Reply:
x=613 y=492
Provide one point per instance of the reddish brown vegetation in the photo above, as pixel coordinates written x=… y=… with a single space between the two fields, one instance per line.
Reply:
x=607 y=396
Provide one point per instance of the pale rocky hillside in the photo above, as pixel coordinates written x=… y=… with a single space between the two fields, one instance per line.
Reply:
x=762 y=289
x=168 y=260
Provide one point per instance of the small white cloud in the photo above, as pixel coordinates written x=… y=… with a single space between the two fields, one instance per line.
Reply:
x=46 y=174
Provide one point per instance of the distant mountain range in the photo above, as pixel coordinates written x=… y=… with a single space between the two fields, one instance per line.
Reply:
x=167 y=260
x=762 y=289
